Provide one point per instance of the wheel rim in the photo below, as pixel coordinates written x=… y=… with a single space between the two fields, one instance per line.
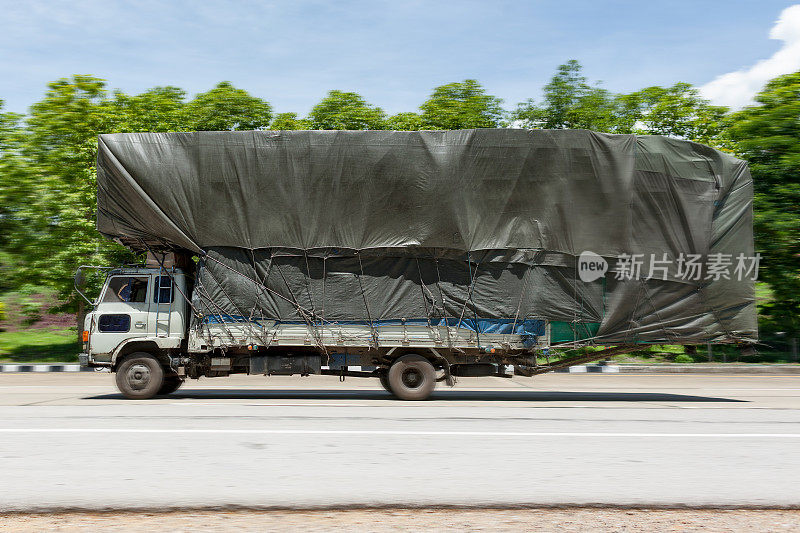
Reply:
x=412 y=378
x=138 y=376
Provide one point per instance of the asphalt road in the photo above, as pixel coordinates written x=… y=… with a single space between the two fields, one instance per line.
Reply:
x=70 y=441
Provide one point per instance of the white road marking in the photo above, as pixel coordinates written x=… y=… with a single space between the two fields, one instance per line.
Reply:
x=403 y=432
x=745 y=389
x=57 y=386
x=249 y=404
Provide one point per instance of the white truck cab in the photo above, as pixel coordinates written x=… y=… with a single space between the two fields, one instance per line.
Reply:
x=137 y=308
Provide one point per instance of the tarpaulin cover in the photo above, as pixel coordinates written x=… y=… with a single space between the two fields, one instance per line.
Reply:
x=469 y=224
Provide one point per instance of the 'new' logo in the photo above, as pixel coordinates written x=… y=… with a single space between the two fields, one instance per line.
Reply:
x=591 y=266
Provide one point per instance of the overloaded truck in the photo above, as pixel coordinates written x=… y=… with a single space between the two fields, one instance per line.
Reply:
x=413 y=257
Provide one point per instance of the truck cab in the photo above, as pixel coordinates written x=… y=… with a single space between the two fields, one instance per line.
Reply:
x=138 y=310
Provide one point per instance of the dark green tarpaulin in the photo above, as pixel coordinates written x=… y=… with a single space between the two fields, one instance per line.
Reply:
x=357 y=225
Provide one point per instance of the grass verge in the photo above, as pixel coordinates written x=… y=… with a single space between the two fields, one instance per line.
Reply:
x=37 y=345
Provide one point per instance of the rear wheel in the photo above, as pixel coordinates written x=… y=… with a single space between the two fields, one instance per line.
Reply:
x=140 y=376
x=412 y=377
x=384 y=379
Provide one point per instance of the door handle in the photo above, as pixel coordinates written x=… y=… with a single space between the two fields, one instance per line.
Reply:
x=140 y=325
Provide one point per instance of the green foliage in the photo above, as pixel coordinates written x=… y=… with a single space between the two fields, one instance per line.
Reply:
x=57 y=187
x=768 y=136
x=667 y=348
x=676 y=111
x=570 y=102
x=404 y=122
x=346 y=111
x=223 y=108
x=9 y=130
x=461 y=105
x=158 y=109
x=289 y=121
x=31 y=309
x=226 y=108
x=26 y=305
x=684 y=358
x=13 y=176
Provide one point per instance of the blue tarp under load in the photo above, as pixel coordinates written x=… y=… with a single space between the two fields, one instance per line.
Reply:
x=645 y=238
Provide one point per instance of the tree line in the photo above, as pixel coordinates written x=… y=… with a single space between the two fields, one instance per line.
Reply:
x=47 y=156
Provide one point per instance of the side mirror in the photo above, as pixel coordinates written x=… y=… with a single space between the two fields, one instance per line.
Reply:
x=79 y=281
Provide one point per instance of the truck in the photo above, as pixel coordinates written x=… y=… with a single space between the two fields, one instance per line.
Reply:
x=412 y=257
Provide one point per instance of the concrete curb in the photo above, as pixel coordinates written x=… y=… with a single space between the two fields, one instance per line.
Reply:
x=671 y=368
x=585 y=369
x=56 y=367
x=731 y=368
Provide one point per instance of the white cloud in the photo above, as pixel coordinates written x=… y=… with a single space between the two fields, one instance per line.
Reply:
x=736 y=89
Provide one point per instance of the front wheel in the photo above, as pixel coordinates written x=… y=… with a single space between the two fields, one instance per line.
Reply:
x=171 y=384
x=412 y=377
x=140 y=376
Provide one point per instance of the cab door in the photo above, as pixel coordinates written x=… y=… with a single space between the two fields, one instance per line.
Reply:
x=123 y=312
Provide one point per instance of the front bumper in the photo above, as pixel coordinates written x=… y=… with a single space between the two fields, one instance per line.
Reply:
x=83 y=359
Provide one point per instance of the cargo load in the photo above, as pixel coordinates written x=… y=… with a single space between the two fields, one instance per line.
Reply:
x=487 y=229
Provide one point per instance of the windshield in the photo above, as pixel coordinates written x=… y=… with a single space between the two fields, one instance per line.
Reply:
x=126 y=289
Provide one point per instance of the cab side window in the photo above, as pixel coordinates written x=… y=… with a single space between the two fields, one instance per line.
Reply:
x=126 y=289
x=114 y=323
x=162 y=290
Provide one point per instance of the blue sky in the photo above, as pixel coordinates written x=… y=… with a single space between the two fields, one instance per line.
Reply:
x=393 y=53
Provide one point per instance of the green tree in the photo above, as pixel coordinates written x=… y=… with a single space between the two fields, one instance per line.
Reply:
x=289 y=121
x=226 y=108
x=676 y=111
x=569 y=102
x=14 y=199
x=768 y=136
x=60 y=181
x=9 y=129
x=159 y=109
x=404 y=122
x=346 y=111
x=461 y=105
x=54 y=186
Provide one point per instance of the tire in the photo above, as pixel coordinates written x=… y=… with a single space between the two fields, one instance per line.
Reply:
x=140 y=376
x=412 y=377
x=171 y=384
x=384 y=379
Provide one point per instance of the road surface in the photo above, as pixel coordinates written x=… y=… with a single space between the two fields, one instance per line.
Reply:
x=69 y=441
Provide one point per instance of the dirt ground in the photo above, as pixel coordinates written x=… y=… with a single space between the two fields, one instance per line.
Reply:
x=544 y=520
